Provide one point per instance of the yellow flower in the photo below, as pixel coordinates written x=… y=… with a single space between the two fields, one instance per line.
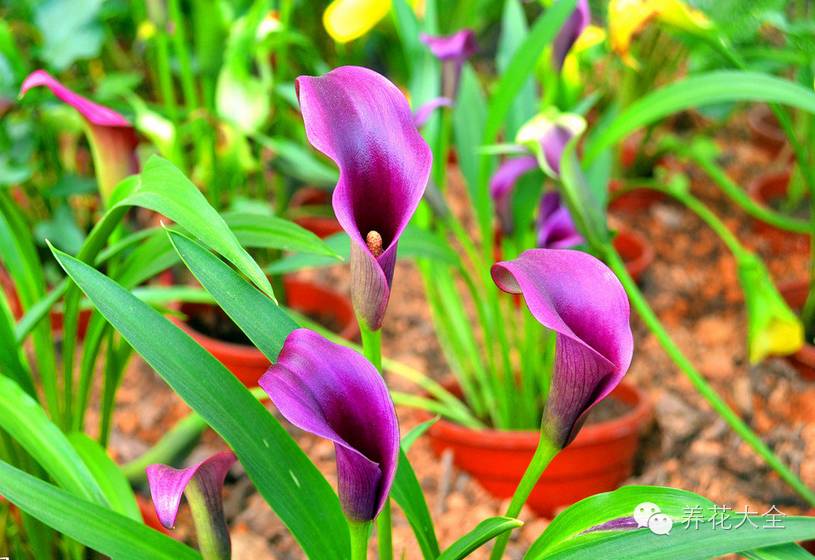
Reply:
x=626 y=18
x=773 y=329
x=592 y=35
x=346 y=20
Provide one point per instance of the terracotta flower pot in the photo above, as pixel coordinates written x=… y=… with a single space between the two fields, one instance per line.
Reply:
x=795 y=293
x=598 y=460
x=149 y=515
x=634 y=201
x=765 y=189
x=321 y=226
x=765 y=130
x=57 y=316
x=636 y=251
x=248 y=363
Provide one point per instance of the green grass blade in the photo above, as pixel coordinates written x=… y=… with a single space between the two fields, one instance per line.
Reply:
x=483 y=533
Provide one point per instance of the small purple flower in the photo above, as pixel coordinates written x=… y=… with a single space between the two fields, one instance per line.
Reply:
x=203 y=484
x=546 y=135
x=502 y=185
x=583 y=302
x=453 y=51
x=335 y=393
x=112 y=138
x=363 y=122
x=422 y=114
x=554 y=226
x=571 y=30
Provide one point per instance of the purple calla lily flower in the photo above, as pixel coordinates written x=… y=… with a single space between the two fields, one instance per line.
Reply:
x=422 y=114
x=583 y=302
x=502 y=185
x=111 y=136
x=453 y=50
x=571 y=30
x=202 y=483
x=363 y=122
x=335 y=393
x=554 y=226
x=546 y=135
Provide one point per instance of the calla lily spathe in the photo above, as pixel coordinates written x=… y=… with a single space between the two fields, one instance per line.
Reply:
x=502 y=185
x=554 y=227
x=453 y=51
x=569 y=33
x=363 y=123
x=112 y=138
x=546 y=136
x=582 y=301
x=773 y=329
x=203 y=484
x=335 y=393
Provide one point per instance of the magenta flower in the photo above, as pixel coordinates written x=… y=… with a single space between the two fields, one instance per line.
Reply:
x=502 y=185
x=202 y=483
x=554 y=226
x=571 y=30
x=335 y=393
x=362 y=121
x=546 y=136
x=583 y=302
x=112 y=138
x=453 y=51
x=422 y=114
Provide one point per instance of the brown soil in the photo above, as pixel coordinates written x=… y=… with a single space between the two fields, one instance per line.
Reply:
x=694 y=289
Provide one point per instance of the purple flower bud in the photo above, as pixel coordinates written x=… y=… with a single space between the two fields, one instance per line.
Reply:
x=112 y=138
x=335 y=393
x=502 y=185
x=363 y=122
x=422 y=114
x=453 y=50
x=571 y=30
x=554 y=226
x=583 y=302
x=203 y=484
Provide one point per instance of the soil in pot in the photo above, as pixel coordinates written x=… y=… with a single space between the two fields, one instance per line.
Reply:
x=216 y=332
x=598 y=460
x=795 y=293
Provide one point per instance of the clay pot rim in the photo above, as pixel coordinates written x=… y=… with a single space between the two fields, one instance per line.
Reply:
x=646 y=255
x=756 y=116
x=755 y=186
x=250 y=352
x=630 y=422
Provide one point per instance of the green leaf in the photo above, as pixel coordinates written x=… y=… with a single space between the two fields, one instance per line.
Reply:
x=109 y=533
x=165 y=189
x=110 y=479
x=407 y=492
x=269 y=232
x=298 y=162
x=265 y=323
x=567 y=536
x=281 y=472
x=26 y=422
x=778 y=552
x=483 y=533
x=514 y=30
x=416 y=432
x=12 y=362
x=688 y=544
x=697 y=91
x=469 y=115
x=70 y=30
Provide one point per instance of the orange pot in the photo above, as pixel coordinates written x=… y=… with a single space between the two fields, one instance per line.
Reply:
x=764 y=189
x=636 y=251
x=765 y=130
x=599 y=459
x=248 y=363
x=321 y=226
x=795 y=293
x=634 y=201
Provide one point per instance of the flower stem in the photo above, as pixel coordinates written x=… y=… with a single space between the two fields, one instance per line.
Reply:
x=714 y=400
x=359 y=539
x=544 y=454
x=372 y=348
x=210 y=525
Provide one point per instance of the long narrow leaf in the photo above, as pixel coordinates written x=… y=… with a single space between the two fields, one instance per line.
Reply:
x=483 y=533
x=107 y=532
x=283 y=475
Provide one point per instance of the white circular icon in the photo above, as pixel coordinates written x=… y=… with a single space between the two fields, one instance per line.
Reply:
x=643 y=512
x=660 y=524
